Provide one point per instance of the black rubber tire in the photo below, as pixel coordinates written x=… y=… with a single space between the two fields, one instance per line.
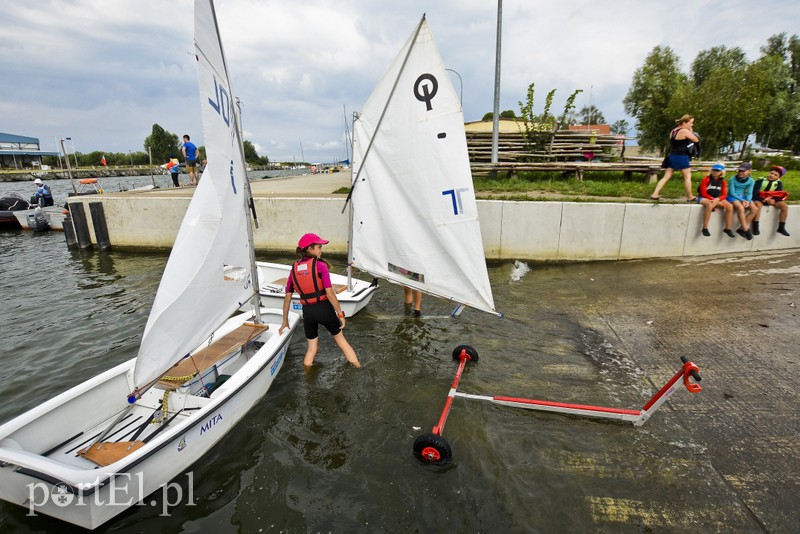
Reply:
x=473 y=354
x=432 y=449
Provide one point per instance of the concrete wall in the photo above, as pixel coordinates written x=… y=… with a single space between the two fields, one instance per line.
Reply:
x=547 y=231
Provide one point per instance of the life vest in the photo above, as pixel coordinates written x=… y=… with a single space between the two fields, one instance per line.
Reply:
x=713 y=187
x=44 y=191
x=772 y=189
x=307 y=282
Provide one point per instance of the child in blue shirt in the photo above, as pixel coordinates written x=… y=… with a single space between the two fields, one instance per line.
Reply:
x=740 y=195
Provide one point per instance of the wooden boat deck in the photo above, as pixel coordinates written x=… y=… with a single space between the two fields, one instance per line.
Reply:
x=187 y=368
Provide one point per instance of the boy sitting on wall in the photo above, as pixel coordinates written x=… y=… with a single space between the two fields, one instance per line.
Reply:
x=770 y=192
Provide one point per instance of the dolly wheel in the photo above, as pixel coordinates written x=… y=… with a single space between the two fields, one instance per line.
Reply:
x=433 y=449
x=473 y=354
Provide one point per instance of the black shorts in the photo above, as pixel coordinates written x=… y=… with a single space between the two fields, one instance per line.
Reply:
x=320 y=314
x=191 y=163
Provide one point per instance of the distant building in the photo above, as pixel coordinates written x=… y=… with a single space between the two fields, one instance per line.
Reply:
x=20 y=152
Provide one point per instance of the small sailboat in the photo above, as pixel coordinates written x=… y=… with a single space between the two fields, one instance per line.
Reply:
x=95 y=450
x=353 y=294
x=414 y=214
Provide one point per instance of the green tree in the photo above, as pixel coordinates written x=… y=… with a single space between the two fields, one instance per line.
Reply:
x=590 y=115
x=781 y=127
x=250 y=154
x=714 y=58
x=620 y=127
x=163 y=144
x=649 y=96
x=507 y=114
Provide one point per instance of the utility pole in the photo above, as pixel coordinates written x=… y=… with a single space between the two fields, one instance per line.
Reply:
x=496 y=114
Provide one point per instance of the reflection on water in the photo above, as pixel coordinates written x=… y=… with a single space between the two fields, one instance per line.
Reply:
x=330 y=450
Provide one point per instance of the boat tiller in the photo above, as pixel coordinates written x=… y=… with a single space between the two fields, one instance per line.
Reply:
x=433 y=448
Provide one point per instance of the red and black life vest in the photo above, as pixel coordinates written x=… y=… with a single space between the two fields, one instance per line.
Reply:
x=307 y=282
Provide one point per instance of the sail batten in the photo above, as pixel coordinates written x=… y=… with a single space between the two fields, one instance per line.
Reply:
x=199 y=289
x=415 y=218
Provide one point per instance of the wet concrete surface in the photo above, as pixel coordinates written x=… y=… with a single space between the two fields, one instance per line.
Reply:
x=737 y=442
x=330 y=450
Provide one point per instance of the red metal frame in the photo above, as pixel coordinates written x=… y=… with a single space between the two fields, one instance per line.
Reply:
x=637 y=417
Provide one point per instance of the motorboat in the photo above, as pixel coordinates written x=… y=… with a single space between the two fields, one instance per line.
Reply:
x=9 y=206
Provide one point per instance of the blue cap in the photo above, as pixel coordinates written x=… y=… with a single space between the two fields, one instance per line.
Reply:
x=718 y=167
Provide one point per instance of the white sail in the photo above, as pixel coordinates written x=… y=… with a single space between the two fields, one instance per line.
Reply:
x=415 y=219
x=208 y=274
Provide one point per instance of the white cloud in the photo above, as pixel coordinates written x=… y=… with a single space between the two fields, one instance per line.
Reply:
x=104 y=71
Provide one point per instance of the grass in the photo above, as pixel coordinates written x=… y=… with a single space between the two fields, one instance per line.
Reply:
x=605 y=186
x=595 y=186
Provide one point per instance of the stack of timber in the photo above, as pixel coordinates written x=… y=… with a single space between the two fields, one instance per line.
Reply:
x=563 y=145
x=569 y=151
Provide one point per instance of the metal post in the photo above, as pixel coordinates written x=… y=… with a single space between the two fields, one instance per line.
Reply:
x=150 y=154
x=74 y=155
x=69 y=169
x=496 y=117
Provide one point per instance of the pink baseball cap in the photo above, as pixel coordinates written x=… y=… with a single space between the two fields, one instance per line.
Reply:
x=311 y=239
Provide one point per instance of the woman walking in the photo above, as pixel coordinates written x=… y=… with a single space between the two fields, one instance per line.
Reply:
x=310 y=278
x=681 y=140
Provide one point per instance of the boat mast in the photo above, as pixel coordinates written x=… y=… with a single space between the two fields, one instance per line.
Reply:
x=247 y=202
x=349 y=138
x=69 y=168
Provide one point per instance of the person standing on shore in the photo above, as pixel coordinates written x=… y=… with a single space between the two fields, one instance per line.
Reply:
x=44 y=197
x=174 y=169
x=681 y=140
x=311 y=279
x=190 y=154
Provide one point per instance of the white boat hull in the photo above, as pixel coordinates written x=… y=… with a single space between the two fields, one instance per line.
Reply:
x=39 y=467
x=272 y=282
x=54 y=215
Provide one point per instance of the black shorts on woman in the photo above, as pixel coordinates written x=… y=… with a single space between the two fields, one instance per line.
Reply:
x=323 y=314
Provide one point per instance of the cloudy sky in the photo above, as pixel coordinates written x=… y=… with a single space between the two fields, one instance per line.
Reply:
x=104 y=71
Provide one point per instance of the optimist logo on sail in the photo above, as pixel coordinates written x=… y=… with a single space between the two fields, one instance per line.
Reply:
x=424 y=92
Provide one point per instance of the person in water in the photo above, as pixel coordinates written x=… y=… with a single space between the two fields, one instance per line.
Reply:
x=310 y=277
x=414 y=295
x=770 y=192
x=713 y=192
x=740 y=195
x=44 y=197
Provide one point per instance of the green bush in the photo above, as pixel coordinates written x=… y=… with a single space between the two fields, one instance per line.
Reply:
x=787 y=162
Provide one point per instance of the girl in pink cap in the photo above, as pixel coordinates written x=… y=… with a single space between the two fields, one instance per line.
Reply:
x=311 y=279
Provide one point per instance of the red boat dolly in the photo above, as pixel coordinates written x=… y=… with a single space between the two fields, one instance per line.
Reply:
x=433 y=448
